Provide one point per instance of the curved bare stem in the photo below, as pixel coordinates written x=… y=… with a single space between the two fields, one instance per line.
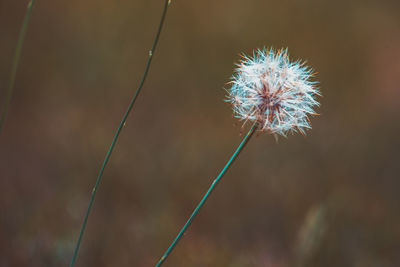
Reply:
x=121 y=125
x=15 y=63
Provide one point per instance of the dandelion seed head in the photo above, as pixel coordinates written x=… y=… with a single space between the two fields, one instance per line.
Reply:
x=277 y=94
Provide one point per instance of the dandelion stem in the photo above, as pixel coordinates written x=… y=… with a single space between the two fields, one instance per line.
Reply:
x=121 y=125
x=15 y=63
x=209 y=191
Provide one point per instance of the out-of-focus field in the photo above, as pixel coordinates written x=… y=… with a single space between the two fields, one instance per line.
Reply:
x=328 y=199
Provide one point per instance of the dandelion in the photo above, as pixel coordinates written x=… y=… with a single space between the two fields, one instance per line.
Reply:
x=274 y=92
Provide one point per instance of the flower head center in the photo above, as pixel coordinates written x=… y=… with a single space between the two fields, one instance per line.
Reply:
x=270 y=103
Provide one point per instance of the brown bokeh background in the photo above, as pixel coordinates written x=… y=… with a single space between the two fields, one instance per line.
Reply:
x=328 y=199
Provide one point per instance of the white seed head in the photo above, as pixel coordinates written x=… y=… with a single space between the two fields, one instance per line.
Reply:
x=276 y=93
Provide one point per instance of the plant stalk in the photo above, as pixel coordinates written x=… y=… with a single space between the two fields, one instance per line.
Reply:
x=15 y=63
x=209 y=191
x=121 y=125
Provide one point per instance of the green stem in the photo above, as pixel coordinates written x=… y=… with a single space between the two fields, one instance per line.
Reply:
x=121 y=125
x=15 y=63
x=209 y=191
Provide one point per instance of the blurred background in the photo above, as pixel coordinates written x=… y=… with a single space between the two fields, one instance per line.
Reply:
x=328 y=199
